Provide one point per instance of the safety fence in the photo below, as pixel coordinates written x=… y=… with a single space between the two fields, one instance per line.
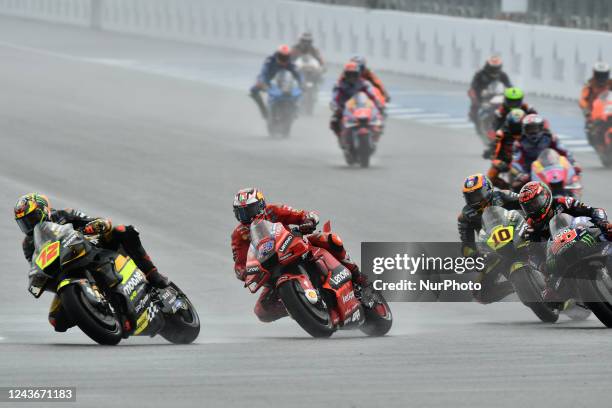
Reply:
x=545 y=60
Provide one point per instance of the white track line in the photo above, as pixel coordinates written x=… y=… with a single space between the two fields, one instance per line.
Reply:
x=414 y=116
x=575 y=142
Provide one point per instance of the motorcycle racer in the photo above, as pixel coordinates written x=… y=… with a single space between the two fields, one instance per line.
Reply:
x=599 y=83
x=534 y=139
x=369 y=75
x=479 y=193
x=350 y=84
x=249 y=204
x=505 y=138
x=540 y=207
x=305 y=46
x=34 y=208
x=492 y=71
x=281 y=59
x=513 y=99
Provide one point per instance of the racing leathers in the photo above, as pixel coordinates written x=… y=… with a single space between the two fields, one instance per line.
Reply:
x=502 y=156
x=480 y=82
x=345 y=90
x=590 y=92
x=113 y=238
x=469 y=223
x=270 y=68
x=268 y=306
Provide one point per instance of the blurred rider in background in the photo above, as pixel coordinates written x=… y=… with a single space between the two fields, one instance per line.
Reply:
x=599 y=83
x=305 y=46
x=505 y=138
x=281 y=59
x=513 y=99
x=492 y=71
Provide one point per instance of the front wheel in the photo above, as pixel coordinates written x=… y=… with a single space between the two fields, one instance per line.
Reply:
x=100 y=325
x=314 y=320
x=528 y=285
x=378 y=320
x=598 y=289
x=364 y=151
x=182 y=327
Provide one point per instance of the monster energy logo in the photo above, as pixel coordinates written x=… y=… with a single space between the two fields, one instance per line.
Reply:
x=588 y=240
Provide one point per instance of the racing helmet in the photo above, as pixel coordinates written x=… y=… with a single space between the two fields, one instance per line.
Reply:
x=536 y=201
x=601 y=73
x=533 y=128
x=478 y=191
x=306 y=38
x=513 y=97
x=248 y=204
x=351 y=72
x=360 y=61
x=283 y=54
x=493 y=66
x=514 y=121
x=30 y=210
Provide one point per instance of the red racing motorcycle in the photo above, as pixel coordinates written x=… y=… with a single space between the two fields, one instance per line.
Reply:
x=315 y=288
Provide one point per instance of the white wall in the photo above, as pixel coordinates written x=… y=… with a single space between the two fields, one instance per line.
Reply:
x=545 y=60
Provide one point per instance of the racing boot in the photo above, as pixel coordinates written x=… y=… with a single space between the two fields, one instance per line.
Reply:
x=260 y=103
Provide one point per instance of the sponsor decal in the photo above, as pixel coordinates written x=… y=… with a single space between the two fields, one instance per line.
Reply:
x=152 y=312
x=252 y=270
x=141 y=304
x=286 y=256
x=356 y=316
x=348 y=297
x=131 y=284
x=311 y=295
x=266 y=247
x=70 y=240
x=340 y=277
x=286 y=243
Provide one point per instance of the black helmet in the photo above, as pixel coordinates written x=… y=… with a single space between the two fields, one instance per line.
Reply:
x=493 y=66
x=306 y=38
x=601 y=73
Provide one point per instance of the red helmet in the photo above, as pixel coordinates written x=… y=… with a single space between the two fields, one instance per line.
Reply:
x=283 y=54
x=536 y=200
x=248 y=204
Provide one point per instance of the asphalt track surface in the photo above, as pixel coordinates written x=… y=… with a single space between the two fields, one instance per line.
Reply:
x=166 y=155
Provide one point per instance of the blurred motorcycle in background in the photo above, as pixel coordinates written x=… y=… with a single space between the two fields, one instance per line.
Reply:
x=284 y=95
x=311 y=71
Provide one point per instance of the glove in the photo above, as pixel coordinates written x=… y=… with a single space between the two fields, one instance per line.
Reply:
x=310 y=223
x=98 y=226
x=388 y=98
x=577 y=168
x=528 y=234
x=240 y=273
x=606 y=228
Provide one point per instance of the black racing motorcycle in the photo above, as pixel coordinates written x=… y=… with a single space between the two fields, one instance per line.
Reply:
x=103 y=292
x=578 y=258
x=501 y=240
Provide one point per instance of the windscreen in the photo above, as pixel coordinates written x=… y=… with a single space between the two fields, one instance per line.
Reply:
x=493 y=217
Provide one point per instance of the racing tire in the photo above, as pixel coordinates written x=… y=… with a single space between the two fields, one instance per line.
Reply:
x=376 y=325
x=363 y=154
x=528 y=288
x=106 y=331
x=597 y=289
x=182 y=327
x=303 y=312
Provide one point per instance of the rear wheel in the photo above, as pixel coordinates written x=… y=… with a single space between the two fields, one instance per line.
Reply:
x=529 y=285
x=183 y=327
x=102 y=326
x=314 y=319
